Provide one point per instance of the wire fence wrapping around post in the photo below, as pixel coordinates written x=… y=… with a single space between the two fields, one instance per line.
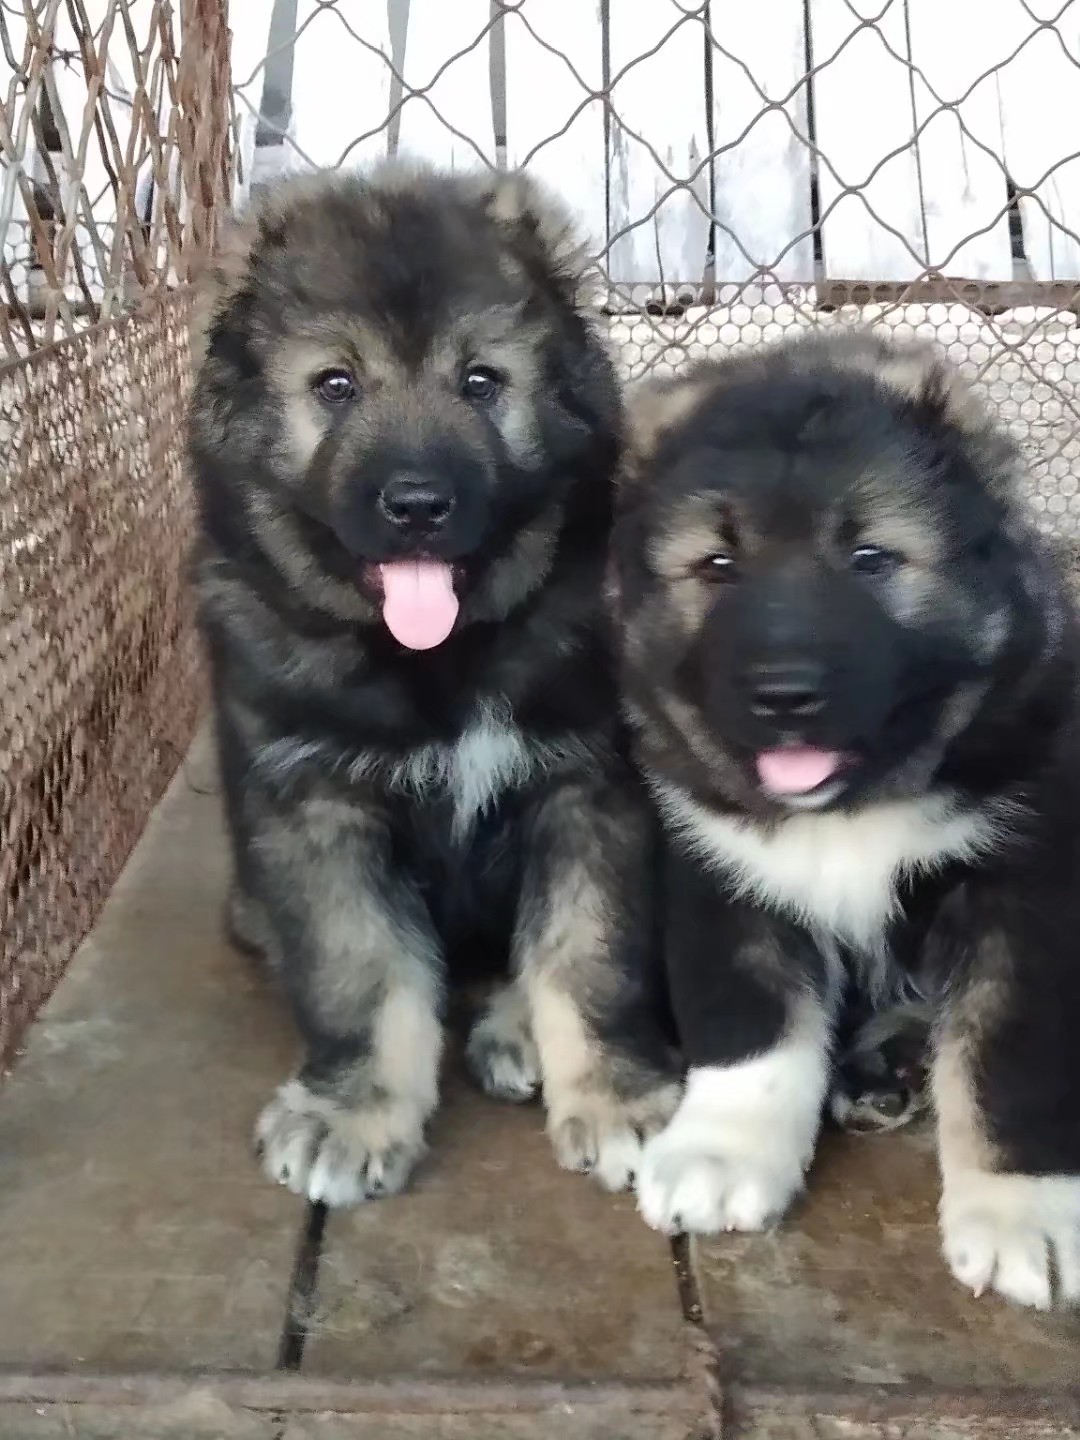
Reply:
x=115 y=156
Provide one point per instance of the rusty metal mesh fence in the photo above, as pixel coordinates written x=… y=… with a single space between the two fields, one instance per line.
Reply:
x=112 y=147
x=744 y=170
x=98 y=662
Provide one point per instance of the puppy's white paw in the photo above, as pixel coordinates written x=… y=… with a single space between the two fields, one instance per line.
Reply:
x=599 y=1134
x=334 y=1155
x=1014 y=1234
x=734 y=1156
x=706 y=1184
x=502 y=1055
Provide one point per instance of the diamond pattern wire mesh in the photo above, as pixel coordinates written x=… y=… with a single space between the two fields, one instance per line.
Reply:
x=1017 y=335
x=98 y=657
x=118 y=135
x=107 y=150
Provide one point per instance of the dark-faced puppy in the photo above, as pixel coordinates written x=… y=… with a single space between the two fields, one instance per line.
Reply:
x=851 y=667
x=404 y=434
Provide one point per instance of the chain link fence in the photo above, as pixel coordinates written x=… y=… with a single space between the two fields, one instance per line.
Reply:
x=114 y=165
x=742 y=170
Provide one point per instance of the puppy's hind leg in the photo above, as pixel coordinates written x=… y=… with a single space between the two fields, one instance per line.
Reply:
x=880 y=1080
x=248 y=926
x=501 y=1052
x=362 y=967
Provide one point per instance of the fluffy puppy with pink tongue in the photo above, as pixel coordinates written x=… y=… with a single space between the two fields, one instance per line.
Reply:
x=404 y=433
x=850 y=663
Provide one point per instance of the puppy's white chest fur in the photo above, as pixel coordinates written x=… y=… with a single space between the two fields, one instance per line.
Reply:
x=837 y=874
x=487 y=759
x=491 y=756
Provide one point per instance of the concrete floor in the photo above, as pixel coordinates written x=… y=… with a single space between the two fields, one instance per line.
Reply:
x=153 y=1284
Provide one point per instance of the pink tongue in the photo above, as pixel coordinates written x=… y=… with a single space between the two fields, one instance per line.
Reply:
x=796 y=770
x=419 y=604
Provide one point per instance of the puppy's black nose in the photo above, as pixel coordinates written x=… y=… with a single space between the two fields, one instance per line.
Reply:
x=416 y=502
x=793 y=691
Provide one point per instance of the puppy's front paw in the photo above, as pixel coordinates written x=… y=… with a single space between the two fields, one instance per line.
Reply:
x=325 y=1152
x=691 y=1181
x=735 y=1155
x=1014 y=1234
x=595 y=1132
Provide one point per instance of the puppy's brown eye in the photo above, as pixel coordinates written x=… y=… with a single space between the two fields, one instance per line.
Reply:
x=481 y=385
x=717 y=568
x=335 y=386
x=874 y=560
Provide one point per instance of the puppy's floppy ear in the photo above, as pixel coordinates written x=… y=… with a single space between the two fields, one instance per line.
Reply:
x=260 y=226
x=913 y=372
x=224 y=274
x=536 y=221
x=924 y=384
x=658 y=404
